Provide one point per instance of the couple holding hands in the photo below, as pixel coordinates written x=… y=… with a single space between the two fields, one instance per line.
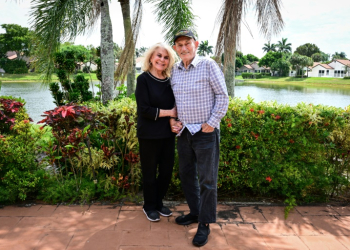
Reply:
x=187 y=99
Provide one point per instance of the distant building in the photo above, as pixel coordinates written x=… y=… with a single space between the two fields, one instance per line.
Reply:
x=139 y=62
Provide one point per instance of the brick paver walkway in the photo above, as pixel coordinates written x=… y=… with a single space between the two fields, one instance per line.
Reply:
x=126 y=227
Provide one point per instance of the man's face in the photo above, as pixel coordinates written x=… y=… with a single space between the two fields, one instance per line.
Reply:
x=186 y=48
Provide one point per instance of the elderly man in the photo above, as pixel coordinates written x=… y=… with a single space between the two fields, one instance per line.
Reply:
x=201 y=99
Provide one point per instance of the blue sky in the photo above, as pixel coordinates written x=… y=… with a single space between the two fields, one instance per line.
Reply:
x=324 y=23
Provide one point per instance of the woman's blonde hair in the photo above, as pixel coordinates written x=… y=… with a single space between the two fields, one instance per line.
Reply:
x=172 y=58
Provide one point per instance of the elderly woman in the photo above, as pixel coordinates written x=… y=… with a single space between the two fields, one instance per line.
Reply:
x=155 y=106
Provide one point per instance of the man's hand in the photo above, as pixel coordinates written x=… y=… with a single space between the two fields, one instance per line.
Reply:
x=207 y=128
x=176 y=126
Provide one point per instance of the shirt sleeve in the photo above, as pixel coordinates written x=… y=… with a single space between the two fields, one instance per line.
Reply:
x=144 y=108
x=218 y=85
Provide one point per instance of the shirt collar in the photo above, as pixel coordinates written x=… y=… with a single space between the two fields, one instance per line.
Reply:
x=194 y=62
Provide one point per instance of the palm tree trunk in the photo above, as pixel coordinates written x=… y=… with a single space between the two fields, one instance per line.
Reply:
x=230 y=75
x=107 y=55
x=125 y=5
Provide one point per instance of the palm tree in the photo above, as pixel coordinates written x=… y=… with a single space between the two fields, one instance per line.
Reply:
x=204 y=48
x=283 y=46
x=230 y=18
x=54 y=22
x=127 y=62
x=306 y=62
x=173 y=15
x=269 y=47
x=340 y=55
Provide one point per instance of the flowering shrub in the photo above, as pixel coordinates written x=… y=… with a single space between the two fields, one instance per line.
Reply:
x=93 y=143
x=300 y=153
x=296 y=153
x=9 y=107
x=21 y=174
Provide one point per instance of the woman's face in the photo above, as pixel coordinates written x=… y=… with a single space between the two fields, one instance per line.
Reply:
x=160 y=59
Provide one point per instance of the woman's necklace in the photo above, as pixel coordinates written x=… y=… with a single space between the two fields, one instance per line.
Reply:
x=166 y=79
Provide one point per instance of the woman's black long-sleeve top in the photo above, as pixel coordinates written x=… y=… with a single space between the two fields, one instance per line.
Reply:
x=153 y=94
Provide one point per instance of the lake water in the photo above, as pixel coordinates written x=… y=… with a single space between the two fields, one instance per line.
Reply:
x=38 y=99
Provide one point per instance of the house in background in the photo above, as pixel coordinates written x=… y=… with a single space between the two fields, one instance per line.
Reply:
x=341 y=67
x=321 y=70
x=258 y=69
x=253 y=68
x=246 y=69
x=139 y=62
x=93 y=66
x=11 y=55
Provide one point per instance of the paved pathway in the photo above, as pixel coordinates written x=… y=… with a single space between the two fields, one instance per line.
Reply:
x=126 y=227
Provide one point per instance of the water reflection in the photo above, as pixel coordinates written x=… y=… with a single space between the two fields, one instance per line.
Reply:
x=338 y=96
x=39 y=99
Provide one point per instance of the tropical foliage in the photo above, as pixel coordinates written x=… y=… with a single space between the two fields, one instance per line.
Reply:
x=339 y=55
x=283 y=46
x=269 y=47
x=300 y=153
x=308 y=49
x=204 y=48
x=230 y=18
x=16 y=38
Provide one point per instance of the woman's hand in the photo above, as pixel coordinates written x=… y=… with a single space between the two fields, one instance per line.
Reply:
x=173 y=112
x=175 y=126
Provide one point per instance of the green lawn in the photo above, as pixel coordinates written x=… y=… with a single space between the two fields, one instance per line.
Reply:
x=310 y=80
x=33 y=77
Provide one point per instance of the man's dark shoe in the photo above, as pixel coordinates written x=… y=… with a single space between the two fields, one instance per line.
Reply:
x=152 y=215
x=201 y=237
x=164 y=211
x=186 y=219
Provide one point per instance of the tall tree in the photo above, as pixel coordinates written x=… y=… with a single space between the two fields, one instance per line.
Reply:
x=252 y=58
x=204 y=48
x=283 y=46
x=230 y=18
x=269 y=47
x=269 y=58
x=126 y=66
x=340 y=55
x=308 y=49
x=317 y=57
x=107 y=53
x=16 y=38
x=306 y=62
x=296 y=61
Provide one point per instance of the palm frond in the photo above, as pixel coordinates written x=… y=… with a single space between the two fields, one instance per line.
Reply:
x=56 y=21
x=269 y=17
x=174 y=15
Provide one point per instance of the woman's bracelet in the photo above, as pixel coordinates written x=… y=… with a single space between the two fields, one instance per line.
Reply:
x=175 y=118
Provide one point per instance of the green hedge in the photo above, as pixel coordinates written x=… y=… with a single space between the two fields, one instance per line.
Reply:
x=14 y=66
x=298 y=154
x=252 y=75
x=246 y=75
x=272 y=150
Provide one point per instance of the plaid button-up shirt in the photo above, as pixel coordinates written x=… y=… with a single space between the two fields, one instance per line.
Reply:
x=200 y=93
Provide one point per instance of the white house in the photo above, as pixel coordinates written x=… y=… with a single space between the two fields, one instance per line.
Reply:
x=253 y=68
x=139 y=62
x=258 y=69
x=341 y=67
x=246 y=69
x=92 y=66
x=321 y=70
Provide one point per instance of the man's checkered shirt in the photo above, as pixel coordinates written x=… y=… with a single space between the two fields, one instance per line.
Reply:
x=200 y=93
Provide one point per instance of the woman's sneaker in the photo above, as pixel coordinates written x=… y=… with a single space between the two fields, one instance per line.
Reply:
x=152 y=215
x=164 y=211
